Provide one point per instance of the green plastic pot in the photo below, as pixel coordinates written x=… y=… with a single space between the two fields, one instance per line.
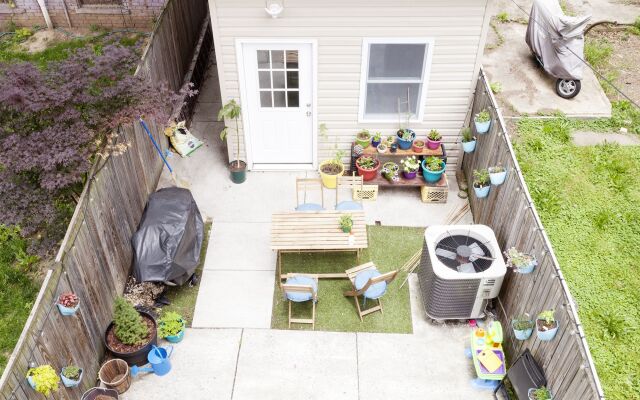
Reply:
x=238 y=172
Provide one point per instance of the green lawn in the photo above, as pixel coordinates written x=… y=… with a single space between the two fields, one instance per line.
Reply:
x=389 y=248
x=589 y=201
x=17 y=291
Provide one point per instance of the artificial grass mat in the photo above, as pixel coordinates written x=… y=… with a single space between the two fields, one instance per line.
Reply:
x=389 y=248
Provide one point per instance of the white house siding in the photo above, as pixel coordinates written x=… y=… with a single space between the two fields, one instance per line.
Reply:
x=457 y=26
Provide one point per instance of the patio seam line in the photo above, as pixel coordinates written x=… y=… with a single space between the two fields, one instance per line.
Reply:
x=357 y=367
x=235 y=372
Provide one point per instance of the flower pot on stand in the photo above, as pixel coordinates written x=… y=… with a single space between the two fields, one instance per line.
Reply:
x=433 y=144
x=382 y=148
x=238 y=170
x=432 y=176
x=482 y=127
x=363 y=139
x=405 y=144
x=368 y=174
x=498 y=178
x=469 y=147
x=375 y=143
x=482 y=191
x=409 y=174
x=417 y=146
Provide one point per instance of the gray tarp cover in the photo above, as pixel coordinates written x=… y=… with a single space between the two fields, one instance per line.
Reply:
x=551 y=34
x=167 y=244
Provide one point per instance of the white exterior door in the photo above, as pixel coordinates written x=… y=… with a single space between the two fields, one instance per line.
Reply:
x=278 y=104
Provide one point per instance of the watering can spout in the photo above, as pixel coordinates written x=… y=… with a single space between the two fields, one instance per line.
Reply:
x=135 y=370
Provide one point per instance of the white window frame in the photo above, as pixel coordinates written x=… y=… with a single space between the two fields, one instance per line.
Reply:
x=364 y=75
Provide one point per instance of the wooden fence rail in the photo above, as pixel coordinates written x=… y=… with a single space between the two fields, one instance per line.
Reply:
x=510 y=211
x=95 y=257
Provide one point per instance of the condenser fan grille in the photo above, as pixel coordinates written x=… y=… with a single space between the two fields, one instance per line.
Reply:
x=463 y=253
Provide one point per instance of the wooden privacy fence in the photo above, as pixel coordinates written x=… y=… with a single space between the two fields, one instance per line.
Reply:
x=95 y=257
x=511 y=213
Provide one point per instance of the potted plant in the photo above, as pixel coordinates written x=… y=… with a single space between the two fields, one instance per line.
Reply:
x=482 y=121
x=481 y=182
x=171 y=327
x=332 y=168
x=390 y=172
x=237 y=167
x=390 y=140
x=410 y=167
x=131 y=334
x=546 y=325
x=497 y=174
x=377 y=139
x=541 y=393
x=468 y=141
x=346 y=223
x=522 y=326
x=367 y=167
x=393 y=147
x=520 y=262
x=418 y=146
x=382 y=148
x=363 y=138
x=43 y=379
x=68 y=303
x=434 y=138
x=432 y=169
x=71 y=376
x=406 y=137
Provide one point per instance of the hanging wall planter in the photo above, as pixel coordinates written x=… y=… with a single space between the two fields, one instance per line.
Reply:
x=521 y=263
x=522 y=326
x=497 y=174
x=546 y=326
x=482 y=121
x=71 y=376
x=43 y=379
x=481 y=185
x=68 y=303
x=468 y=141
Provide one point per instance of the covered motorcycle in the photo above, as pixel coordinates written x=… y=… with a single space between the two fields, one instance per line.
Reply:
x=557 y=41
x=166 y=247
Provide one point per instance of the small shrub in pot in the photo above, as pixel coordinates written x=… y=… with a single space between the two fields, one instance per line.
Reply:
x=131 y=334
x=481 y=182
x=43 y=379
x=482 y=121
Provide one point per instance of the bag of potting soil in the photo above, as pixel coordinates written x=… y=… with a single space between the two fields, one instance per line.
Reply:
x=181 y=139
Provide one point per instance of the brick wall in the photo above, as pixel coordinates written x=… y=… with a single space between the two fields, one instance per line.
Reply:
x=129 y=14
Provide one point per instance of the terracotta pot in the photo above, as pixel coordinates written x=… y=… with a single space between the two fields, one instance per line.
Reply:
x=368 y=174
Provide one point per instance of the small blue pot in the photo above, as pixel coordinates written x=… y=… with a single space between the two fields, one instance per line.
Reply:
x=469 y=147
x=406 y=144
x=70 y=383
x=522 y=334
x=527 y=269
x=546 y=336
x=498 y=178
x=482 y=127
x=482 y=192
x=67 y=311
x=176 y=338
x=375 y=143
x=431 y=176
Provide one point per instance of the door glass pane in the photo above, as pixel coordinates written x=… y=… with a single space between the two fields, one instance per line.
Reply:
x=396 y=60
x=279 y=99
x=263 y=58
x=382 y=98
x=278 y=79
x=277 y=59
x=292 y=59
x=265 y=99
x=293 y=98
x=265 y=79
x=292 y=79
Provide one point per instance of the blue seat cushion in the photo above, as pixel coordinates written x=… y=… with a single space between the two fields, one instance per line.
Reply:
x=301 y=280
x=309 y=207
x=375 y=291
x=348 y=205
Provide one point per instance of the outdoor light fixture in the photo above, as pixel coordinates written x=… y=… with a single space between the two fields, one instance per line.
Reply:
x=274 y=7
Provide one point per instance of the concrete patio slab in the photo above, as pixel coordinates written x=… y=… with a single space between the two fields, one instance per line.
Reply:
x=203 y=368
x=623 y=11
x=234 y=299
x=240 y=246
x=527 y=89
x=276 y=365
x=594 y=138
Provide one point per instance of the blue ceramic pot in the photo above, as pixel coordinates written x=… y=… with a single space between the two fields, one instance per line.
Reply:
x=176 y=338
x=482 y=127
x=522 y=334
x=32 y=383
x=527 y=269
x=67 y=311
x=482 y=192
x=406 y=144
x=498 y=178
x=469 y=147
x=70 y=383
x=546 y=336
x=432 y=176
x=375 y=143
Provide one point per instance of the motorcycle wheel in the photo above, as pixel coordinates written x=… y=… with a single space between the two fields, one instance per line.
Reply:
x=567 y=88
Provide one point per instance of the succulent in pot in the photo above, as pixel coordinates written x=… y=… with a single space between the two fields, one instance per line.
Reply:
x=390 y=172
x=432 y=169
x=382 y=148
x=541 y=393
x=481 y=183
x=434 y=139
x=497 y=174
x=418 y=146
x=71 y=376
x=43 y=379
x=367 y=167
x=68 y=303
x=522 y=326
x=546 y=325
x=390 y=140
x=346 y=223
x=376 y=139
x=363 y=138
x=406 y=137
x=520 y=262
x=171 y=327
x=468 y=141
x=482 y=121
x=410 y=167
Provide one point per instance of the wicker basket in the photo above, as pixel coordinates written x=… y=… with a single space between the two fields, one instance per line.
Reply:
x=365 y=192
x=436 y=193
x=115 y=375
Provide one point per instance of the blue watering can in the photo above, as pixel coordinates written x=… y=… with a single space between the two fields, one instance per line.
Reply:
x=158 y=358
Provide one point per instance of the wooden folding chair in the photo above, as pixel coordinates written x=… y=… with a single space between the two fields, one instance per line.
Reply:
x=368 y=279
x=300 y=288
x=348 y=182
x=304 y=185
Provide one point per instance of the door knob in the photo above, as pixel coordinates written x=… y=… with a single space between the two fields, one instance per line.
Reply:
x=308 y=104
x=308 y=113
